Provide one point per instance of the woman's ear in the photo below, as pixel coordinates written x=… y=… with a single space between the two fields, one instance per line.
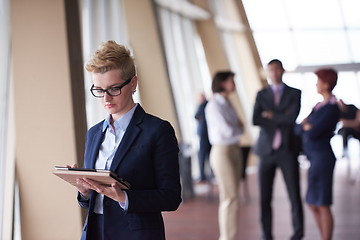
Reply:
x=133 y=83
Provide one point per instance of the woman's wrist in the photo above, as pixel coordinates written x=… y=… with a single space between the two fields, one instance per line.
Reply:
x=85 y=194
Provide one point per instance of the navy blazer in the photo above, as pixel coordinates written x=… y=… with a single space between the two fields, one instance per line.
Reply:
x=284 y=118
x=147 y=158
x=323 y=121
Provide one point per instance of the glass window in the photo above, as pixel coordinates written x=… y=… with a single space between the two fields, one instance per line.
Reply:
x=101 y=21
x=321 y=47
x=262 y=18
x=188 y=70
x=354 y=46
x=319 y=33
x=305 y=32
x=309 y=14
x=306 y=35
x=276 y=45
x=347 y=87
x=4 y=110
x=350 y=10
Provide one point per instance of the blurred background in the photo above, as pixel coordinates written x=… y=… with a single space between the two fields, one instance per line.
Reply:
x=46 y=106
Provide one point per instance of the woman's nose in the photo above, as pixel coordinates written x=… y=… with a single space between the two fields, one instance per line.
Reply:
x=107 y=96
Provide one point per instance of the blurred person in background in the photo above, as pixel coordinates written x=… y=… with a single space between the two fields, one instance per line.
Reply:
x=276 y=109
x=204 y=143
x=225 y=128
x=316 y=130
x=350 y=120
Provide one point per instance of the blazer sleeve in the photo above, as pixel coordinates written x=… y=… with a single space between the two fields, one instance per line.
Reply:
x=165 y=195
x=288 y=115
x=259 y=107
x=324 y=122
x=83 y=202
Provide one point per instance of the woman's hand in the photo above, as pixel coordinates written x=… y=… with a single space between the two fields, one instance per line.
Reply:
x=114 y=191
x=85 y=191
x=306 y=126
x=267 y=114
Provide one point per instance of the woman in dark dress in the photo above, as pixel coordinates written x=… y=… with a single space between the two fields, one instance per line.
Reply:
x=317 y=130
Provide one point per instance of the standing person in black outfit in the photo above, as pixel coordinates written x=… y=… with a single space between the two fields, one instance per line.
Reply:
x=276 y=109
x=204 y=144
x=316 y=131
x=350 y=119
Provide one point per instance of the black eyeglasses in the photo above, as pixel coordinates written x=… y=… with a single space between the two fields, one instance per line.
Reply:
x=111 y=91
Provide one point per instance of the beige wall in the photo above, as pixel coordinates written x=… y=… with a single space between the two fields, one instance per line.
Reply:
x=43 y=120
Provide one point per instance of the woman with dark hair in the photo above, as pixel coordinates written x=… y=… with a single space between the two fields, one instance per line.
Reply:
x=224 y=129
x=317 y=130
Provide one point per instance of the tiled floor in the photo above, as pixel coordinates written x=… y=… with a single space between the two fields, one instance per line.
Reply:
x=196 y=219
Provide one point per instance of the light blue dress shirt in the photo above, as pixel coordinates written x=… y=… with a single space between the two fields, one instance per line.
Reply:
x=111 y=142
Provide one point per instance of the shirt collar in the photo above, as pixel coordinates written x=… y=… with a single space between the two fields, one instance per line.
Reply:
x=275 y=87
x=333 y=99
x=220 y=98
x=122 y=122
x=280 y=87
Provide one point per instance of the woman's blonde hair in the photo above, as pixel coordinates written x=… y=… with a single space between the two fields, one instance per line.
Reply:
x=109 y=56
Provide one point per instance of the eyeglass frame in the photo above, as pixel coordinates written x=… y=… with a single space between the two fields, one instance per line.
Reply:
x=106 y=90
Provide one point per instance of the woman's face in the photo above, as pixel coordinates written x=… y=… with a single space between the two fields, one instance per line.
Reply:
x=115 y=105
x=321 y=86
x=229 y=84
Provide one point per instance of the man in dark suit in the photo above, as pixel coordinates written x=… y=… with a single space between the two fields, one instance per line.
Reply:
x=276 y=109
x=137 y=146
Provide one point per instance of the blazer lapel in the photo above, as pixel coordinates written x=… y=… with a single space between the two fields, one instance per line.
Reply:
x=270 y=97
x=284 y=97
x=129 y=137
x=97 y=140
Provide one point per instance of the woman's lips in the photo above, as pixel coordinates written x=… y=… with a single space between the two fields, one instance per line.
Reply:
x=109 y=105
